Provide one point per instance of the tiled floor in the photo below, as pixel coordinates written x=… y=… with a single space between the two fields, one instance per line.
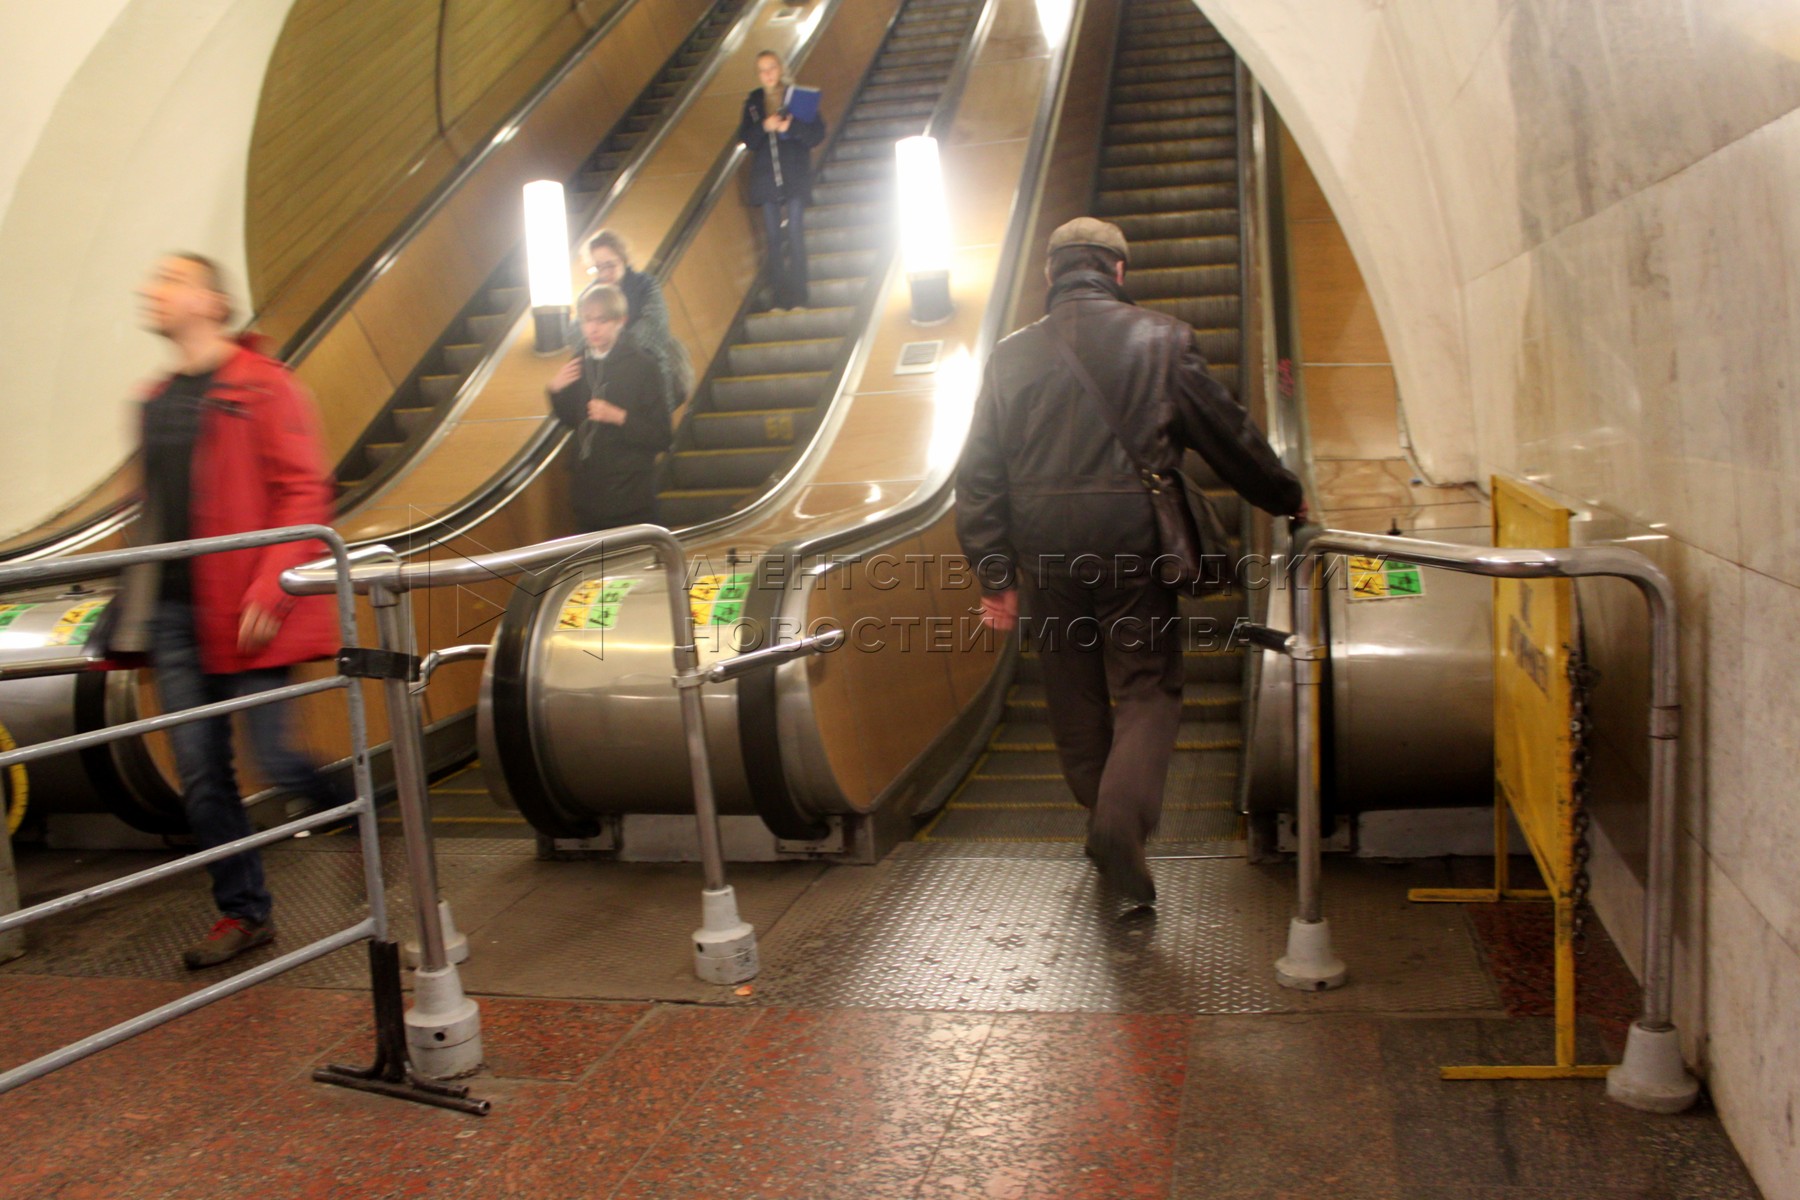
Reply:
x=801 y=1092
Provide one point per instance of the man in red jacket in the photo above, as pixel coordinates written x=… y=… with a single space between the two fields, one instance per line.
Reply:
x=230 y=444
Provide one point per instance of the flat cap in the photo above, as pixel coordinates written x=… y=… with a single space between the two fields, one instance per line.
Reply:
x=1090 y=231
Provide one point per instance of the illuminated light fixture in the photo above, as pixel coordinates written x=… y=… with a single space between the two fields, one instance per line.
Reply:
x=547 y=263
x=924 y=228
x=1054 y=19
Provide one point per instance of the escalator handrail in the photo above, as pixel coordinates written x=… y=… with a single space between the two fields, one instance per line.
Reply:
x=942 y=116
x=334 y=309
x=121 y=513
x=531 y=459
x=925 y=506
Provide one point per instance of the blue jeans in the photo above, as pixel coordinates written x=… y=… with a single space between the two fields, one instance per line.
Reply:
x=787 y=254
x=203 y=756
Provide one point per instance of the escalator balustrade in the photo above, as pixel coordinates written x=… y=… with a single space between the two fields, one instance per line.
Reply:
x=770 y=383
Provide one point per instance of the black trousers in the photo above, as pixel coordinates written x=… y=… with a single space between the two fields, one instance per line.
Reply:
x=1112 y=682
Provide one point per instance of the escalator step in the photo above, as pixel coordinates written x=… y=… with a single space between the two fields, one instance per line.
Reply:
x=1134 y=154
x=734 y=468
x=488 y=328
x=1148 y=227
x=412 y=421
x=893 y=93
x=1202 y=312
x=846 y=237
x=783 y=358
x=863 y=150
x=1216 y=108
x=844 y=264
x=834 y=190
x=875 y=172
x=795 y=326
x=917 y=108
x=1219 y=345
x=380 y=452
x=841 y=216
x=582 y=202
x=932 y=76
x=769 y=427
x=941 y=42
x=1026 y=701
x=464 y=357
x=1201 y=55
x=1160 y=91
x=679 y=509
x=937 y=61
x=1166 y=199
x=506 y=300
x=1192 y=85
x=439 y=389
x=1170 y=175
x=836 y=293
x=1183 y=252
x=1184 y=130
x=889 y=128
x=742 y=393
x=1214 y=666
x=1183 y=25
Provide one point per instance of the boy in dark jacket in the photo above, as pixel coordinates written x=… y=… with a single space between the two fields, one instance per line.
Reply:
x=611 y=395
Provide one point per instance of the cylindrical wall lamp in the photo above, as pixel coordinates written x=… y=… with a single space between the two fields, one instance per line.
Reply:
x=924 y=228
x=547 y=263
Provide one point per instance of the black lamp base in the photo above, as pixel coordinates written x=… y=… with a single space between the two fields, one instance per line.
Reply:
x=551 y=329
x=931 y=304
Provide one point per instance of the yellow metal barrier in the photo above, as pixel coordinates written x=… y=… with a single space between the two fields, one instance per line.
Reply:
x=1534 y=778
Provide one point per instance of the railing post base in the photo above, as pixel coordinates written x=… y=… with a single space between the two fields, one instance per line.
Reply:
x=1653 y=1077
x=456 y=942
x=1310 y=965
x=443 y=1027
x=724 y=945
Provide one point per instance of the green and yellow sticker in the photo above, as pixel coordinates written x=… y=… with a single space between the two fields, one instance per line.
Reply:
x=1384 y=579
x=719 y=599
x=12 y=612
x=76 y=623
x=594 y=604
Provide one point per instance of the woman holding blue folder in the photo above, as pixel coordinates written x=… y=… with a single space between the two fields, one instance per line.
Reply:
x=781 y=126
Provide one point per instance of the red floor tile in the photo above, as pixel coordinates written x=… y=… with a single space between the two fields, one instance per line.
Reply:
x=1065 y=1106
x=818 y=1104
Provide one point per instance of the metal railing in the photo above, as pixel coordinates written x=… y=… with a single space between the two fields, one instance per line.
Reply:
x=724 y=946
x=1652 y=1075
x=373 y=928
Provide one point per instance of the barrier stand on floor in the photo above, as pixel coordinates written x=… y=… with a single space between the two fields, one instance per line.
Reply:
x=1310 y=964
x=724 y=945
x=1653 y=1076
x=390 y=1076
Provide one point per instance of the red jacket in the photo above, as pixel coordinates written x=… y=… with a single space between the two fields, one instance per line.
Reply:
x=259 y=463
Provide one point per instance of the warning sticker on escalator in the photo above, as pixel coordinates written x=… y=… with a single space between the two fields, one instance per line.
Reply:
x=1384 y=579
x=594 y=604
x=74 y=626
x=12 y=612
x=719 y=599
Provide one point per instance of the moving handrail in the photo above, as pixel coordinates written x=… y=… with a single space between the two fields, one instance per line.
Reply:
x=374 y=928
x=1652 y=1075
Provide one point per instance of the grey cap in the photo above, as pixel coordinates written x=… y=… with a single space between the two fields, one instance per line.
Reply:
x=1090 y=231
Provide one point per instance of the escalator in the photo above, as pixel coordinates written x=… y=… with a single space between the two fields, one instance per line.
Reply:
x=1169 y=179
x=766 y=390
x=477 y=331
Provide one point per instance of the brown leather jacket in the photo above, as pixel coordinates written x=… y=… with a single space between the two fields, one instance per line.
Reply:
x=1043 y=481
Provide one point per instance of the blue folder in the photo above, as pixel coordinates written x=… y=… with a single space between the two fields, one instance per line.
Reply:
x=803 y=103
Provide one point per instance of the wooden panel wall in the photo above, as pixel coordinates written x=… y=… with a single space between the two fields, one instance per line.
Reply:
x=1347 y=372
x=349 y=101
x=366 y=108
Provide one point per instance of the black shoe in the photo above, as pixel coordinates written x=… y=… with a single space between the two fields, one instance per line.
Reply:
x=230 y=937
x=1122 y=866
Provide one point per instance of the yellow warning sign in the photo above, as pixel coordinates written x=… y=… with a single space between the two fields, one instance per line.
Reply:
x=1384 y=578
x=594 y=604
x=718 y=599
x=74 y=626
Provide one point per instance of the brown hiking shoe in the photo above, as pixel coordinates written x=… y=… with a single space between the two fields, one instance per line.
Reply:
x=230 y=937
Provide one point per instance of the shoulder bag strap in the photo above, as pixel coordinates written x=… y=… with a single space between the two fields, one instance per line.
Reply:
x=1066 y=352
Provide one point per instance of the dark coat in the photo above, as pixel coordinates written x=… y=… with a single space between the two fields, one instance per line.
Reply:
x=612 y=468
x=647 y=328
x=794 y=149
x=259 y=463
x=1042 y=475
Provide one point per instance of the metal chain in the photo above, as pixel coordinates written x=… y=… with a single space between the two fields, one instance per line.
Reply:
x=1582 y=678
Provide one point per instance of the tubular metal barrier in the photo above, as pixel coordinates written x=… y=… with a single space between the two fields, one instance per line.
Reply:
x=1652 y=1075
x=393 y=1077
x=724 y=946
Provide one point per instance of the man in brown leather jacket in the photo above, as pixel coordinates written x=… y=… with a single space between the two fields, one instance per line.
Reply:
x=1049 y=503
